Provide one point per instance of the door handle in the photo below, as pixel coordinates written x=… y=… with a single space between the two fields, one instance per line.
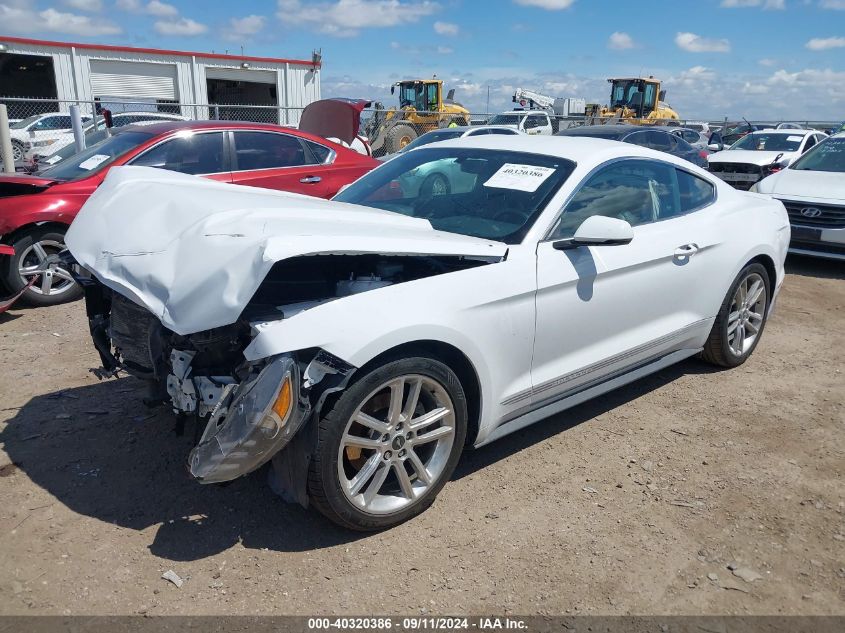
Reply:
x=310 y=180
x=687 y=250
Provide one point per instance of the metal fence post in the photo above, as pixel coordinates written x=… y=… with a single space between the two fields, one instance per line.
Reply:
x=6 y=141
x=76 y=124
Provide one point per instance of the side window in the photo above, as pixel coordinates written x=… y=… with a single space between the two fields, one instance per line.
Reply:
x=51 y=123
x=502 y=131
x=661 y=141
x=480 y=132
x=534 y=121
x=319 y=152
x=690 y=137
x=648 y=97
x=636 y=191
x=431 y=100
x=194 y=154
x=268 y=150
x=811 y=140
x=638 y=138
x=695 y=192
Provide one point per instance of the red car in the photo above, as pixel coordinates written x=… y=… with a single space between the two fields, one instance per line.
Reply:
x=35 y=211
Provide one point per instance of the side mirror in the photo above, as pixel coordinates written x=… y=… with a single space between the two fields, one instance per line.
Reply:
x=392 y=89
x=598 y=230
x=715 y=147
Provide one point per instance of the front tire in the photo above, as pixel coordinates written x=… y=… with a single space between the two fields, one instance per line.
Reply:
x=398 y=137
x=18 y=152
x=389 y=444
x=32 y=247
x=741 y=319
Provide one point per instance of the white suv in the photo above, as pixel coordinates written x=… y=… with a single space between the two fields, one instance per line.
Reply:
x=38 y=132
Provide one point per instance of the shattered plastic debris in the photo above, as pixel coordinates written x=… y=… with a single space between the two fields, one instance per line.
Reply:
x=173 y=577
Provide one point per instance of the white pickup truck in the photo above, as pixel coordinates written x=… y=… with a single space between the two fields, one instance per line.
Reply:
x=528 y=121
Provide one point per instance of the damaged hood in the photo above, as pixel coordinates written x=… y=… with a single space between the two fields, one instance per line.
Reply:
x=748 y=156
x=194 y=251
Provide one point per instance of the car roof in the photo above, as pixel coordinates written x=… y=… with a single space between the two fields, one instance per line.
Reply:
x=785 y=131
x=523 y=112
x=612 y=130
x=581 y=150
x=165 y=127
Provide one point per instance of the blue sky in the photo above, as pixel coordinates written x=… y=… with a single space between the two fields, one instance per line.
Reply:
x=764 y=59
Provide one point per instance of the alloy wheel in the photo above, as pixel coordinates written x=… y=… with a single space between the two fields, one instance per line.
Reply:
x=396 y=445
x=52 y=281
x=748 y=309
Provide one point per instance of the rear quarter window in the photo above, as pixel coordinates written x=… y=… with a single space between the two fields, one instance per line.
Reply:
x=695 y=192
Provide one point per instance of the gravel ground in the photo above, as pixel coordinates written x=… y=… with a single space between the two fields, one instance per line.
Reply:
x=641 y=502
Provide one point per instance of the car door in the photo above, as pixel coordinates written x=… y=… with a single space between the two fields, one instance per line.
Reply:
x=603 y=310
x=274 y=160
x=48 y=131
x=199 y=153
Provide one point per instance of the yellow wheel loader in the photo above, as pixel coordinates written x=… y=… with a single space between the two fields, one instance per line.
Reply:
x=422 y=108
x=636 y=101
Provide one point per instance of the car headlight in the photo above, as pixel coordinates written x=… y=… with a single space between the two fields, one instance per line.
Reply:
x=260 y=419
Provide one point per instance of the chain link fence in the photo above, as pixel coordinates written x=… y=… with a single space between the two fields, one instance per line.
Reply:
x=42 y=127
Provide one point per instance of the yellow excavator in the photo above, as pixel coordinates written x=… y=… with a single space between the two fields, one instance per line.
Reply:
x=634 y=100
x=422 y=108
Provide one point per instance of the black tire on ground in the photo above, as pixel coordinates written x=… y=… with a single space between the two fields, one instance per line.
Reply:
x=9 y=267
x=435 y=185
x=717 y=349
x=398 y=137
x=324 y=486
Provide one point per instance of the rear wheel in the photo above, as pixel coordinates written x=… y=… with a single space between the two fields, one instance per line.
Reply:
x=17 y=151
x=435 y=185
x=741 y=319
x=33 y=248
x=389 y=444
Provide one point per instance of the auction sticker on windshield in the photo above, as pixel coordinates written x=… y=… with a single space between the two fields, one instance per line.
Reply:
x=519 y=177
x=92 y=162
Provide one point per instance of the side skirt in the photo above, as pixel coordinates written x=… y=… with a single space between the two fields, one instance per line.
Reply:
x=574 y=399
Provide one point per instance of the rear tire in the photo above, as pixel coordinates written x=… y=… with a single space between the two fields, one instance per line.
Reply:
x=31 y=246
x=741 y=319
x=435 y=185
x=378 y=474
x=18 y=152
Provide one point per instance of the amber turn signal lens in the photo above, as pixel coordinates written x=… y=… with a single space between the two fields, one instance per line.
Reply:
x=282 y=405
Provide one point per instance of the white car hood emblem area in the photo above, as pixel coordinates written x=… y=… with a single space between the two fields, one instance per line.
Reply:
x=194 y=251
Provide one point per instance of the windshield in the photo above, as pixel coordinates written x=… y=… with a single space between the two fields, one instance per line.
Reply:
x=505 y=119
x=96 y=157
x=25 y=122
x=91 y=138
x=491 y=194
x=433 y=137
x=762 y=142
x=829 y=155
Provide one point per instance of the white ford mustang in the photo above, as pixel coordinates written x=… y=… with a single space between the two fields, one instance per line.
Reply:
x=360 y=344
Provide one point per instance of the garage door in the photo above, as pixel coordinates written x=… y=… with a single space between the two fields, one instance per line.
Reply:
x=133 y=79
x=238 y=74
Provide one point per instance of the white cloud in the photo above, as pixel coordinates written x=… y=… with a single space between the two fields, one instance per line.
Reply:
x=551 y=5
x=345 y=18
x=446 y=28
x=445 y=50
x=693 y=43
x=835 y=5
x=825 y=43
x=85 y=5
x=18 y=17
x=620 y=41
x=241 y=28
x=182 y=26
x=778 y=5
x=766 y=61
x=59 y=22
x=153 y=7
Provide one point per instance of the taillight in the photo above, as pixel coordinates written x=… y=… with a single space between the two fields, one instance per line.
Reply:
x=703 y=154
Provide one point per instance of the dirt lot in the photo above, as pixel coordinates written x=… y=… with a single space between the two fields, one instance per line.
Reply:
x=637 y=503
